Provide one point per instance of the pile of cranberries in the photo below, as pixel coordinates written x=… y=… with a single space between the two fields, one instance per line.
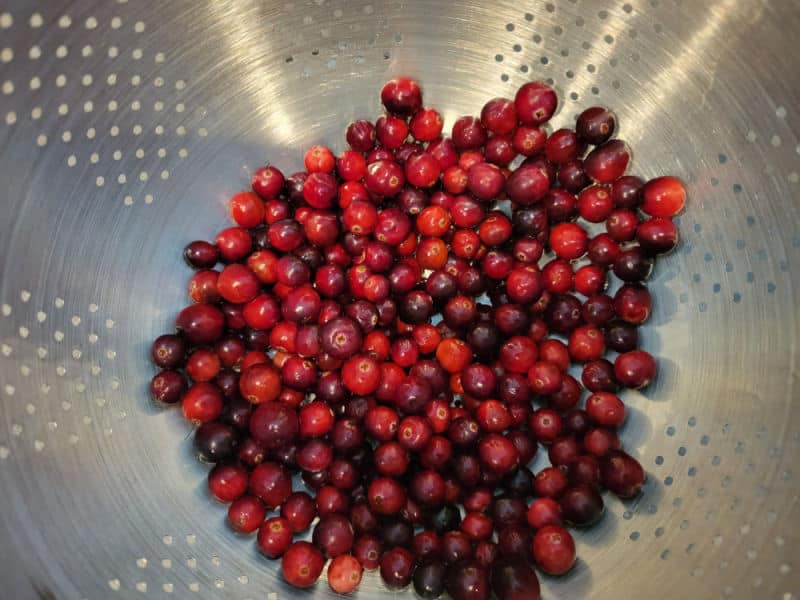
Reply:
x=403 y=325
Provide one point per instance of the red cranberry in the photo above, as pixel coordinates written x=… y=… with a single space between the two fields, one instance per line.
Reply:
x=622 y=474
x=543 y=512
x=569 y=240
x=607 y=162
x=299 y=511
x=598 y=376
x=562 y=147
x=361 y=135
x=498 y=453
x=426 y=125
x=273 y=424
x=274 y=537
x=514 y=579
x=302 y=564
x=429 y=579
x=499 y=116
x=344 y=574
x=663 y=197
x=386 y=496
x=169 y=351
x=598 y=309
x=572 y=177
x=633 y=265
x=550 y=482
x=227 y=482
x=634 y=369
x=544 y=378
x=267 y=182
x=599 y=441
x=234 y=243
x=622 y=337
x=535 y=103
x=456 y=547
x=202 y=403
x=632 y=303
x=246 y=514
x=554 y=550
x=271 y=483
x=468 y=134
x=485 y=181
x=584 y=470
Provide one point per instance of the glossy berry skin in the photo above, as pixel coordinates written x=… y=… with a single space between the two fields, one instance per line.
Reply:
x=168 y=351
x=562 y=147
x=215 y=441
x=237 y=284
x=605 y=409
x=402 y=96
x=468 y=580
x=499 y=116
x=168 y=387
x=302 y=564
x=543 y=512
x=361 y=135
x=527 y=185
x=581 y=505
x=246 y=514
x=334 y=535
x=657 y=235
x=201 y=254
x=274 y=424
x=608 y=162
x=201 y=324
x=634 y=369
x=397 y=568
x=596 y=125
x=514 y=579
x=554 y=550
x=569 y=240
x=202 y=403
x=535 y=103
x=260 y=383
x=429 y=579
x=344 y=574
x=267 y=182
x=633 y=303
x=468 y=134
x=622 y=474
x=227 y=482
x=663 y=197
x=274 y=537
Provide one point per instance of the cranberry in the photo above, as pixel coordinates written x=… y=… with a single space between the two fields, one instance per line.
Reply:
x=302 y=564
x=426 y=125
x=607 y=162
x=202 y=403
x=599 y=441
x=169 y=351
x=468 y=134
x=386 y=496
x=554 y=550
x=344 y=574
x=584 y=470
x=267 y=182
x=596 y=125
x=582 y=505
x=468 y=580
x=168 y=387
x=402 y=96
x=478 y=380
x=200 y=324
x=361 y=135
x=535 y=103
x=572 y=177
x=456 y=547
x=598 y=376
x=227 y=482
x=622 y=474
x=663 y=197
x=274 y=537
x=634 y=369
x=657 y=235
x=633 y=265
x=569 y=241
x=562 y=147
x=527 y=185
x=396 y=567
x=514 y=579
x=550 y=482
x=201 y=255
x=334 y=535
x=485 y=181
x=246 y=514
x=215 y=441
x=429 y=579
x=586 y=343
x=498 y=453
x=544 y=377
x=298 y=510
x=543 y=512
x=622 y=337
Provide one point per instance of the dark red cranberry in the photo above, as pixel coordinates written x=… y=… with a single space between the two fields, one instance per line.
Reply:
x=361 y=135
x=201 y=324
x=397 y=568
x=478 y=380
x=402 y=96
x=514 y=540
x=622 y=474
x=545 y=378
x=498 y=454
x=584 y=470
x=550 y=482
x=468 y=134
x=397 y=532
x=168 y=387
x=274 y=537
x=499 y=150
x=572 y=177
x=527 y=185
x=563 y=313
x=514 y=579
x=622 y=337
x=464 y=432
x=468 y=580
x=657 y=235
x=582 y=505
x=367 y=550
x=201 y=255
x=215 y=441
x=333 y=534
x=554 y=550
x=250 y=452
x=576 y=422
x=246 y=514
x=626 y=192
x=429 y=579
x=543 y=512
x=267 y=182
x=274 y=425
x=596 y=125
x=634 y=369
x=598 y=376
x=456 y=547
x=563 y=451
x=562 y=146
x=599 y=441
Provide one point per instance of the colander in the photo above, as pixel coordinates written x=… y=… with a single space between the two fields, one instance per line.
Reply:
x=125 y=125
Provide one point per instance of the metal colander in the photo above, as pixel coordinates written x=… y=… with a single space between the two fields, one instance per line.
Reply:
x=126 y=125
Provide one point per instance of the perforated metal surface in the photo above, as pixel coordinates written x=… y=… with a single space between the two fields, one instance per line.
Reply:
x=124 y=127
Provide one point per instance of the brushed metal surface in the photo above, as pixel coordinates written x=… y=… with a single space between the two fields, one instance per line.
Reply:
x=124 y=127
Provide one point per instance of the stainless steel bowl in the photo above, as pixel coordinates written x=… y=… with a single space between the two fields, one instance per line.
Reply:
x=125 y=126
